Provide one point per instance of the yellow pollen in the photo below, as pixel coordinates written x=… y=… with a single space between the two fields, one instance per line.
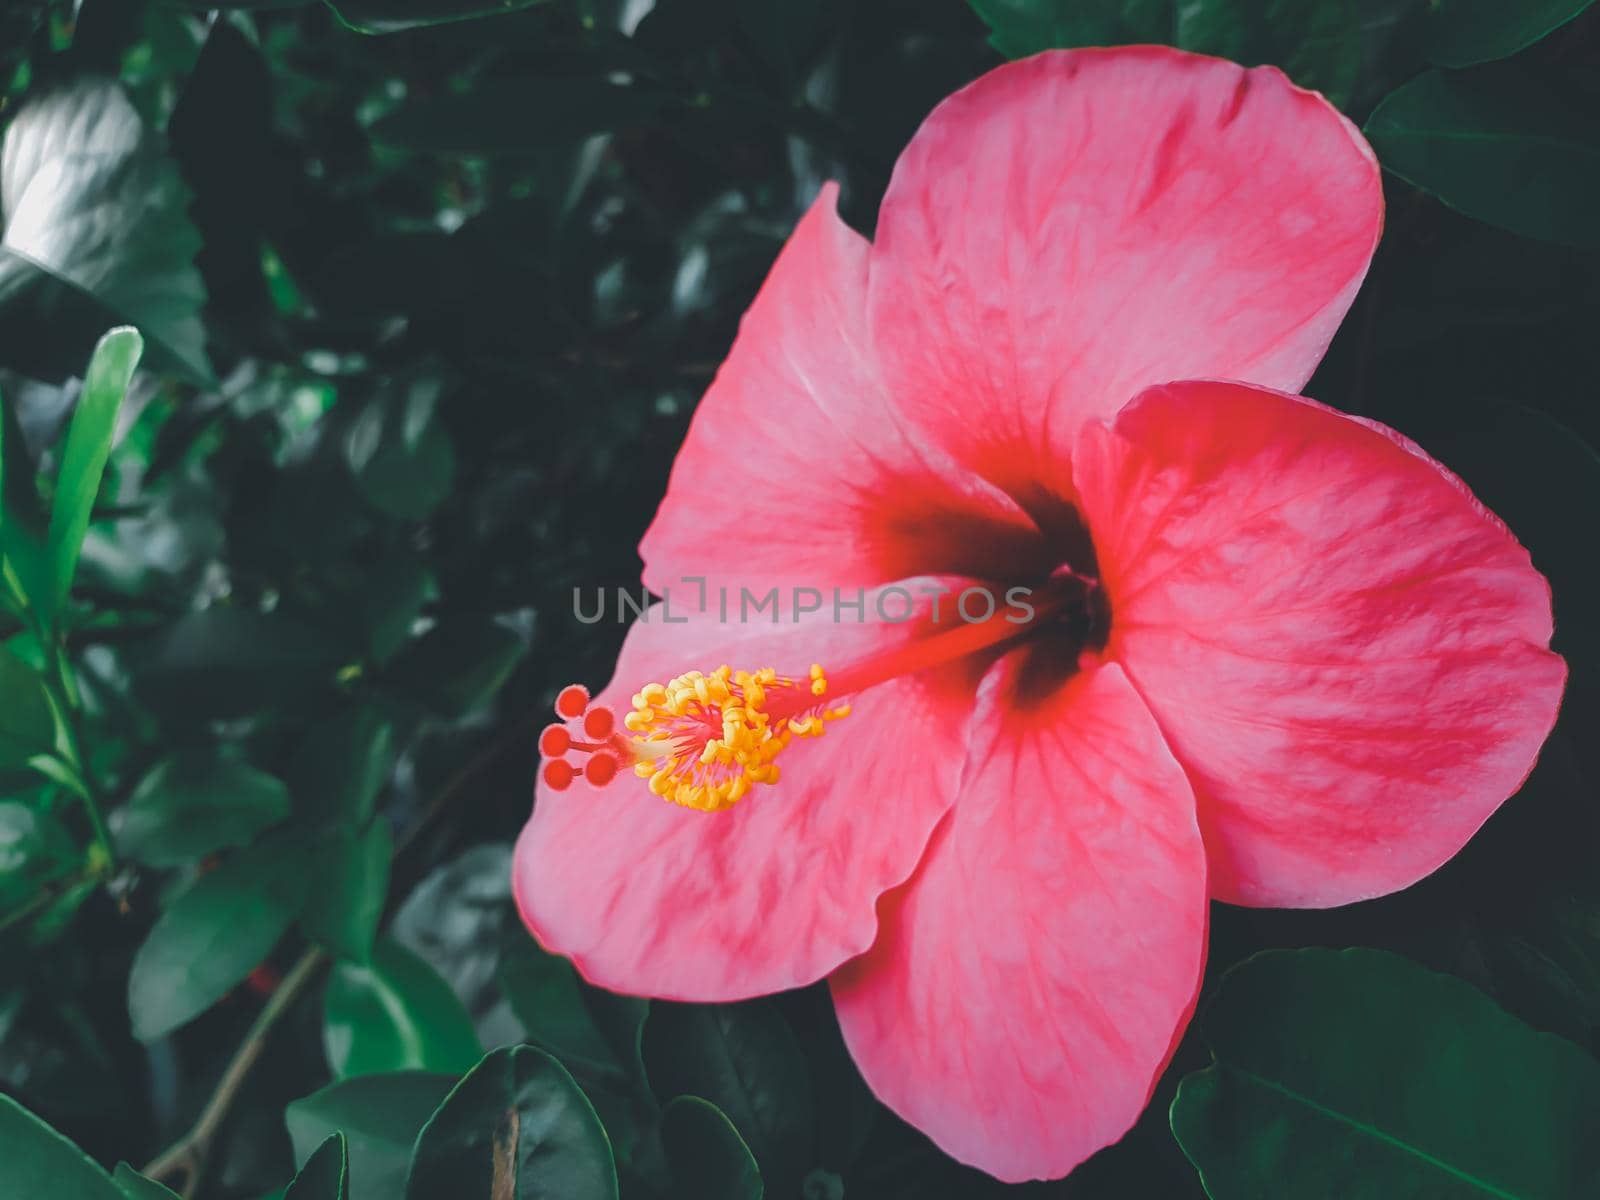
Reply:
x=703 y=740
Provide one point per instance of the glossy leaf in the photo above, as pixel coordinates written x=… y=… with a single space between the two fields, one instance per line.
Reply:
x=135 y=1186
x=744 y=1059
x=211 y=937
x=391 y=16
x=709 y=1159
x=83 y=460
x=1358 y=1074
x=1463 y=32
x=325 y=1175
x=459 y=920
x=348 y=891
x=26 y=726
x=92 y=203
x=379 y=1116
x=516 y=1127
x=38 y=1161
x=1497 y=147
x=395 y=1014
x=192 y=804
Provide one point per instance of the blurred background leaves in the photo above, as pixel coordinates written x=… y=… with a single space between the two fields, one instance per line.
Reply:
x=427 y=293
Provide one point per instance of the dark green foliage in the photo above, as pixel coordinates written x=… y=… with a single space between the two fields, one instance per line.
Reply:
x=1388 y=1104
x=427 y=292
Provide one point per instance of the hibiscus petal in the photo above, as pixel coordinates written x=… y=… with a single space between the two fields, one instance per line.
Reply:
x=794 y=471
x=1077 y=226
x=1346 y=651
x=1033 y=978
x=653 y=899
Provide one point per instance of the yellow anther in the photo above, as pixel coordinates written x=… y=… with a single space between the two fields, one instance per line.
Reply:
x=704 y=740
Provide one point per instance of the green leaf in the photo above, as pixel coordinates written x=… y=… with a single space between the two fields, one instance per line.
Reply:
x=39 y=1162
x=379 y=1116
x=1463 y=32
x=325 y=1175
x=1318 y=44
x=1018 y=28
x=394 y=1014
x=547 y=998
x=135 y=1186
x=223 y=662
x=34 y=847
x=194 y=803
x=709 y=1159
x=400 y=454
x=214 y=934
x=93 y=203
x=342 y=767
x=745 y=1060
x=1495 y=146
x=26 y=724
x=83 y=461
x=1358 y=1074
x=516 y=1127
x=457 y=665
x=390 y=16
x=393 y=601
x=458 y=919
x=348 y=891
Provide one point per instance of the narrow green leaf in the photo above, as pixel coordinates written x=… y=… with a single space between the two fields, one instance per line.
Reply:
x=95 y=219
x=745 y=1060
x=379 y=1116
x=26 y=725
x=709 y=1159
x=135 y=1186
x=194 y=803
x=348 y=891
x=391 y=16
x=393 y=1014
x=1356 y=1074
x=516 y=1127
x=83 y=461
x=1463 y=32
x=325 y=1175
x=38 y=1162
x=1495 y=146
x=212 y=937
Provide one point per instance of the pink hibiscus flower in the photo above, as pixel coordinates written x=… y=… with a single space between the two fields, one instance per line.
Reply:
x=1269 y=653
